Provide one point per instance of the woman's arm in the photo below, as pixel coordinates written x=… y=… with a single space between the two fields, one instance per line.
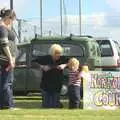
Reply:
x=41 y=62
x=45 y=67
x=7 y=52
x=63 y=63
x=10 y=58
x=62 y=66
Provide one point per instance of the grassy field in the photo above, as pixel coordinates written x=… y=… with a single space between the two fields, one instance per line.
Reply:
x=30 y=109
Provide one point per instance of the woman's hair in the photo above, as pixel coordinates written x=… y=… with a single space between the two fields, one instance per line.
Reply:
x=7 y=13
x=56 y=48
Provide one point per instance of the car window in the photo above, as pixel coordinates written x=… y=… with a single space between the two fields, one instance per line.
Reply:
x=118 y=47
x=73 y=50
x=21 y=58
x=105 y=47
x=69 y=50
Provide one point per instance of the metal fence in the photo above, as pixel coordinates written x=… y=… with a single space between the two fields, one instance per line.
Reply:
x=25 y=31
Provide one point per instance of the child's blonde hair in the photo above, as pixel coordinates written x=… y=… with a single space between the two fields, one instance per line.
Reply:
x=73 y=62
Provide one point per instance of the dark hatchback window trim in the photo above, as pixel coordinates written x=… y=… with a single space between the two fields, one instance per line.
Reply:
x=67 y=47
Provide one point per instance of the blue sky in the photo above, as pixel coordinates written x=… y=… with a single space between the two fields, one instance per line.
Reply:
x=30 y=8
x=51 y=7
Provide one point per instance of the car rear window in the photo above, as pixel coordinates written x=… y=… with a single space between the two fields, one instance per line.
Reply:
x=118 y=47
x=22 y=52
x=105 y=47
x=69 y=50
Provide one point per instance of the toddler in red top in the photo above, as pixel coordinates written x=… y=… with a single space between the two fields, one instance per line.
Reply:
x=74 y=83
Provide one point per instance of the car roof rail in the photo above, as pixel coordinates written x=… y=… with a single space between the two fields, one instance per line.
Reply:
x=89 y=36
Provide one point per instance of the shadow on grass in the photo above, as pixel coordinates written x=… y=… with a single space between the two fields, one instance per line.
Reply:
x=28 y=105
x=36 y=102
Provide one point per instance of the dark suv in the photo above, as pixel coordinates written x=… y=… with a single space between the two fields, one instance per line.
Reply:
x=27 y=77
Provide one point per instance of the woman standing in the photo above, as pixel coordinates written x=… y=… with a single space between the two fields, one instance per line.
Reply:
x=52 y=66
x=7 y=58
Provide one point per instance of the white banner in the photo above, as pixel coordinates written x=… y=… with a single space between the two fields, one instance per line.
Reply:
x=102 y=91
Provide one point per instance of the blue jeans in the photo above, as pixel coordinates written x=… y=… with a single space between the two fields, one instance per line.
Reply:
x=6 y=92
x=74 y=96
x=50 y=100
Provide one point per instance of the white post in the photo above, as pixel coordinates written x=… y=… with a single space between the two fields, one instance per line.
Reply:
x=80 y=16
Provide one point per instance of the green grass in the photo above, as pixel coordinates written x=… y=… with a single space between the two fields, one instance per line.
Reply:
x=30 y=110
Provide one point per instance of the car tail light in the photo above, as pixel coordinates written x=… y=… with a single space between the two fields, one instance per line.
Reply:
x=118 y=61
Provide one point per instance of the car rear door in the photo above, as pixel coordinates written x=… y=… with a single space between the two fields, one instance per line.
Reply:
x=21 y=69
